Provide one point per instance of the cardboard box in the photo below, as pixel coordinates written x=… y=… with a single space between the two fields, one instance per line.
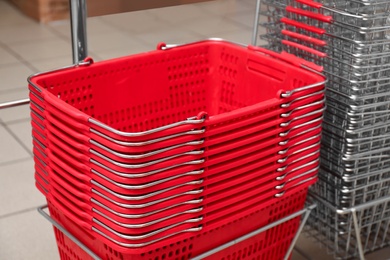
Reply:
x=50 y=10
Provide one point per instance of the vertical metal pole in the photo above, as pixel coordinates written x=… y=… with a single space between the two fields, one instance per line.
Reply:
x=357 y=232
x=256 y=23
x=78 y=23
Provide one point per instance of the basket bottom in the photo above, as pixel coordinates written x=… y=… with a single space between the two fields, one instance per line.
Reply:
x=271 y=244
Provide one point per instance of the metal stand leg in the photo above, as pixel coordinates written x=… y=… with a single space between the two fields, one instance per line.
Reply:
x=260 y=230
x=362 y=248
x=357 y=231
x=305 y=211
x=303 y=222
x=69 y=235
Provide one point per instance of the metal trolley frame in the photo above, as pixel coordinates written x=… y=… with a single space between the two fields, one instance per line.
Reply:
x=78 y=15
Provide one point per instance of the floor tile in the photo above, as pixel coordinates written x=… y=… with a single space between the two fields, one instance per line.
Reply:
x=115 y=53
x=25 y=32
x=10 y=16
x=62 y=27
x=113 y=40
x=52 y=63
x=249 y=2
x=14 y=94
x=296 y=256
x=40 y=50
x=223 y=7
x=27 y=236
x=173 y=36
x=95 y=25
x=6 y=56
x=16 y=76
x=22 y=131
x=11 y=149
x=246 y=18
x=181 y=13
x=135 y=22
x=311 y=250
x=18 y=191
x=383 y=254
x=210 y=26
x=13 y=114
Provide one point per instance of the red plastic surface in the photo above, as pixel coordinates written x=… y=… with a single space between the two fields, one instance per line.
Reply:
x=222 y=197
x=304 y=38
x=310 y=3
x=219 y=78
x=304 y=26
x=234 y=93
x=304 y=48
x=244 y=124
x=247 y=155
x=88 y=176
x=312 y=15
x=198 y=243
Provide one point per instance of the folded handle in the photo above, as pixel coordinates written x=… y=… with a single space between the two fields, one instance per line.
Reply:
x=304 y=48
x=303 y=26
x=287 y=57
x=293 y=60
x=69 y=213
x=63 y=106
x=64 y=118
x=305 y=38
x=310 y=3
x=316 y=16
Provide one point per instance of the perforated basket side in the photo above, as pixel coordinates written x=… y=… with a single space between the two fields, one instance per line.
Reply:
x=265 y=244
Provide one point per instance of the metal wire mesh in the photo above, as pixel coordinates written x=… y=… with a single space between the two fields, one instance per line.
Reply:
x=335 y=229
x=351 y=40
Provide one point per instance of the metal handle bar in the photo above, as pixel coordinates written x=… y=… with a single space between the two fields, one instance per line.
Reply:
x=14 y=103
x=69 y=235
x=306 y=212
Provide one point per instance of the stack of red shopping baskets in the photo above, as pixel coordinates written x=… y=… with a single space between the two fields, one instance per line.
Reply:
x=175 y=151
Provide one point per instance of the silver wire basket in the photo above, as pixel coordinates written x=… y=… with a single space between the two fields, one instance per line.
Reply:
x=351 y=40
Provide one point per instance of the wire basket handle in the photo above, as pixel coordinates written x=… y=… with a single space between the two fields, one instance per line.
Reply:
x=310 y=3
x=287 y=57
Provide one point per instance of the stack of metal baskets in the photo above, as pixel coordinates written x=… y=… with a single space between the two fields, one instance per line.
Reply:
x=351 y=40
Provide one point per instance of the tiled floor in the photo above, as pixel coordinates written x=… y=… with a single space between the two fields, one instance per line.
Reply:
x=27 y=47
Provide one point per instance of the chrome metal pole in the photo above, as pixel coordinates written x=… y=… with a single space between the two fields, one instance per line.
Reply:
x=78 y=22
x=14 y=103
x=256 y=23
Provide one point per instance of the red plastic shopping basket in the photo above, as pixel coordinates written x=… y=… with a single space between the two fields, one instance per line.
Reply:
x=271 y=244
x=210 y=107
x=157 y=91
